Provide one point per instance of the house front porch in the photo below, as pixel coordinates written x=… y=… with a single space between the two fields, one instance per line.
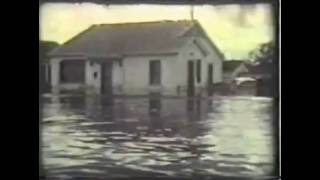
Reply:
x=81 y=75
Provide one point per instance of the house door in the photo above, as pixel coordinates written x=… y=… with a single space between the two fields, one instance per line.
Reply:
x=106 y=78
x=210 y=74
x=190 y=78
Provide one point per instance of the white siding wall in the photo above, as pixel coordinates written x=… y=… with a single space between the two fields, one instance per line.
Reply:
x=214 y=58
x=91 y=82
x=132 y=78
x=117 y=77
x=192 y=52
x=95 y=83
x=55 y=71
x=136 y=75
x=171 y=73
x=173 y=70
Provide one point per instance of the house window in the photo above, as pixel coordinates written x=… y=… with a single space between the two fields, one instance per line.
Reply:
x=72 y=71
x=199 y=71
x=155 y=72
x=95 y=75
x=120 y=62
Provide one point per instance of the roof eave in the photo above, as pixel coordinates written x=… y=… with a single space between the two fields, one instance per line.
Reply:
x=211 y=43
x=69 y=55
x=95 y=56
x=151 y=54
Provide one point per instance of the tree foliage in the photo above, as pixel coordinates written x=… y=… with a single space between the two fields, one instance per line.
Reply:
x=265 y=53
x=265 y=60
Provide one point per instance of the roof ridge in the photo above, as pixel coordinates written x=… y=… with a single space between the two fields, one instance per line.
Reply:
x=114 y=41
x=146 y=22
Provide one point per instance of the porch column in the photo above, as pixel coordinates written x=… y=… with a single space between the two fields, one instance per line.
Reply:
x=55 y=74
x=88 y=73
x=89 y=79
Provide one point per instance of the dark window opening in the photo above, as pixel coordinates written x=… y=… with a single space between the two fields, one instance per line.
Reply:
x=198 y=70
x=120 y=63
x=191 y=78
x=91 y=63
x=95 y=75
x=72 y=71
x=210 y=74
x=155 y=72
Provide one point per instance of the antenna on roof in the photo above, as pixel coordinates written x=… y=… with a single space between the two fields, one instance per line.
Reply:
x=191 y=12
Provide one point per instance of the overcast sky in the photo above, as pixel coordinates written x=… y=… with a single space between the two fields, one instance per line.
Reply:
x=235 y=29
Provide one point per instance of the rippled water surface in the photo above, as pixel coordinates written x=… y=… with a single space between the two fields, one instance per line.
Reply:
x=127 y=137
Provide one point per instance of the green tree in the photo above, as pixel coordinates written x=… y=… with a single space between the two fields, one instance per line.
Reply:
x=266 y=64
x=264 y=54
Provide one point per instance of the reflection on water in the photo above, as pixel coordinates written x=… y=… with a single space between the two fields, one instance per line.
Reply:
x=122 y=136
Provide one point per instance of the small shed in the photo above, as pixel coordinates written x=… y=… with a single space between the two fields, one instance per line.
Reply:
x=233 y=69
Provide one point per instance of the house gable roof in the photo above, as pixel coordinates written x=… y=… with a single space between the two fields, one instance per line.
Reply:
x=44 y=48
x=197 y=30
x=231 y=65
x=127 y=39
x=117 y=40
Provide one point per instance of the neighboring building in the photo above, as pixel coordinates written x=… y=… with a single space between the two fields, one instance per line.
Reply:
x=170 y=57
x=266 y=79
x=246 y=86
x=260 y=72
x=233 y=69
x=239 y=76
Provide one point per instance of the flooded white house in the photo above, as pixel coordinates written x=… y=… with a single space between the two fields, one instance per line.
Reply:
x=169 y=57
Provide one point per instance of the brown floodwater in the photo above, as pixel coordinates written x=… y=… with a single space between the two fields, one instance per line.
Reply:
x=102 y=137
